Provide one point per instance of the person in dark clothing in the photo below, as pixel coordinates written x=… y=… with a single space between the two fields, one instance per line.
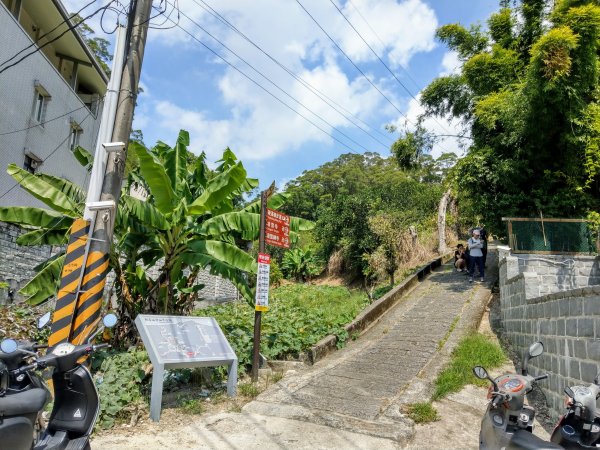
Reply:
x=460 y=258
x=484 y=239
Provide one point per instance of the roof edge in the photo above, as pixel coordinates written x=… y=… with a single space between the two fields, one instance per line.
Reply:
x=63 y=12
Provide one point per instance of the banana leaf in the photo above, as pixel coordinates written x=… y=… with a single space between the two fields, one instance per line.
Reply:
x=218 y=189
x=176 y=162
x=36 y=217
x=43 y=191
x=84 y=157
x=156 y=178
x=145 y=212
x=274 y=202
x=45 y=283
x=68 y=188
x=217 y=267
x=221 y=251
x=45 y=237
x=245 y=223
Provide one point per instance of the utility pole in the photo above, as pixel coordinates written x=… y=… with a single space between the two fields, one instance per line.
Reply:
x=87 y=309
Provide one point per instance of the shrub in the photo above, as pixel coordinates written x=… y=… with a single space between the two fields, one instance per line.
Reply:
x=119 y=382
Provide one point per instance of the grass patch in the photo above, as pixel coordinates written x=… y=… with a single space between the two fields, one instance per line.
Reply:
x=450 y=330
x=248 y=389
x=192 y=406
x=474 y=350
x=299 y=316
x=422 y=412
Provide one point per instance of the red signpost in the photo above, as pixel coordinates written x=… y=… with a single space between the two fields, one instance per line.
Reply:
x=278 y=229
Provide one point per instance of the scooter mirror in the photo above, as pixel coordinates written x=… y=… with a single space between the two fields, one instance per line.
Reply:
x=44 y=320
x=8 y=346
x=109 y=320
x=536 y=349
x=480 y=372
x=570 y=392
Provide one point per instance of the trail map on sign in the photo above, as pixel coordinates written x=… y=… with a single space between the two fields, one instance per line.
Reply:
x=186 y=339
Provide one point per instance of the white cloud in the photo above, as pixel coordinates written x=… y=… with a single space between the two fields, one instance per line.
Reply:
x=451 y=63
x=401 y=29
x=438 y=126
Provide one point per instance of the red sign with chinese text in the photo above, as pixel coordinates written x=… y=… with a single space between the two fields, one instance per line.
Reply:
x=278 y=229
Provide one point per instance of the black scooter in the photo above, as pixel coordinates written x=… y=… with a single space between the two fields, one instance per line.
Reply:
x=76 y=401
x=508 y=422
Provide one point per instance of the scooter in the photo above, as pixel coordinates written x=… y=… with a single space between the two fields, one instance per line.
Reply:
x=579 y=427
x=508 y=422
x=76 y=402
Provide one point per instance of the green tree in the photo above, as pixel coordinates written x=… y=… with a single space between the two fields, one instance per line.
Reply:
x=528 y=95
x=98 y=46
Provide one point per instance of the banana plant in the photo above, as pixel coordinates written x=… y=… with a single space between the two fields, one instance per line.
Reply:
x=188 y=222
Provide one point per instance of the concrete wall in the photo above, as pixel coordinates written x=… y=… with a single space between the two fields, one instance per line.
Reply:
x=47 y=141
x=555 y=300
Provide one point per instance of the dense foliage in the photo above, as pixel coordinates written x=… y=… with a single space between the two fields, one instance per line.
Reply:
x=351 y=197
x=299 y=316
x=190 y=220
x=528 y=93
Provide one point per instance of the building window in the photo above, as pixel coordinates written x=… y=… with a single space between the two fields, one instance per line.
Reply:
x=76 y=132
x=31 y=163
x=41 y=103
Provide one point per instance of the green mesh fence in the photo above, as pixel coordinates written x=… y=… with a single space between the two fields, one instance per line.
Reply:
x=550 y=236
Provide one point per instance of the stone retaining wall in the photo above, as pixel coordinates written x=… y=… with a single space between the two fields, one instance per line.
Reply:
x=544 y=299
x=17 y=263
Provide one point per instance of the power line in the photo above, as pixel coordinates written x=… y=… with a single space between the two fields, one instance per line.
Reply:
x=323 y=97
x=352 y=62
x=381 y=60
x=47 y=157
x=275 y=84
x=43 y=123
x=44 y=35
x=263 y=88
x=70 y=27
x=419 y=88
x=359 y=70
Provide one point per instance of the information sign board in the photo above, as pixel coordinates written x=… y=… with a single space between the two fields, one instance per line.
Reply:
x=278 y=229
x=175 y=342
x=262 y=282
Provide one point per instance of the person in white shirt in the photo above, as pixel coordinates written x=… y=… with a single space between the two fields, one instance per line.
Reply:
x=475 y=254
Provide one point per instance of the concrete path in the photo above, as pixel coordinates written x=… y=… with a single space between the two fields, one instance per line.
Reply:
x=362 y=387
x=354 y=397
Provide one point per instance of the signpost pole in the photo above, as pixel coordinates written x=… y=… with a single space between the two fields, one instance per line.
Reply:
x=258 y=314
x=264 y=197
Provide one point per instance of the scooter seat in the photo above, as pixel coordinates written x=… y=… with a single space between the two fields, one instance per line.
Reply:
x=24 y=402
x=524 y=440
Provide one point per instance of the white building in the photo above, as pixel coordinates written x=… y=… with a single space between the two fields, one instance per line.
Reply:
x=50 y=101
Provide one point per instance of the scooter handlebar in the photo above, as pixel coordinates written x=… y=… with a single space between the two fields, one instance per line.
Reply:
x=26 y=368
x=541 y=377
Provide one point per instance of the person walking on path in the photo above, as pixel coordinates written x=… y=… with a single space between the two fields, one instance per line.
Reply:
x=475 y=254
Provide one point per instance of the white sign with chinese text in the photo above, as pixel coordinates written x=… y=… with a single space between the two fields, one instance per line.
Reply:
x=262 y=282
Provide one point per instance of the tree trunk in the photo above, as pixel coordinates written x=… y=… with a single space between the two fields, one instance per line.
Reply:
x=441 y=222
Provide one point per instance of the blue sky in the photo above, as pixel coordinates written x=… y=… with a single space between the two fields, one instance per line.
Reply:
x=187 y=86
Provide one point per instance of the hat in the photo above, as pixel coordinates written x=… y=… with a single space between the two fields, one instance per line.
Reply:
x=476 y=231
